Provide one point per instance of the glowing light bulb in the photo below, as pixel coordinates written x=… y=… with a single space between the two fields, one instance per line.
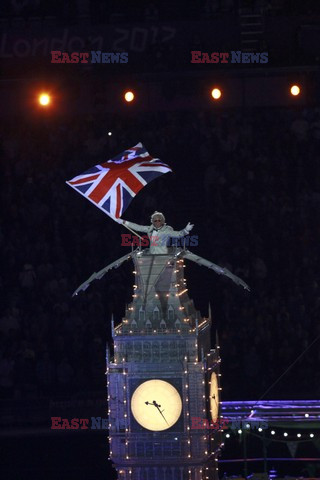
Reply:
x=295 y=90
x=129 y=96
x=44 y=99
x=216 y=93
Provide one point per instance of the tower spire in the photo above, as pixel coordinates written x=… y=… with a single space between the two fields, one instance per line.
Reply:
x=112 y=325
x=217 y=339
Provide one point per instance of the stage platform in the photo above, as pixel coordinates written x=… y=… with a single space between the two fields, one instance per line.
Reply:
x=274 y=411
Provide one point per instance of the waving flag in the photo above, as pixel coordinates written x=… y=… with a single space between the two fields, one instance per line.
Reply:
x=112 y=185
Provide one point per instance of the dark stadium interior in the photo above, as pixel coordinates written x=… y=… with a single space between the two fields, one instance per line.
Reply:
x=246 y=175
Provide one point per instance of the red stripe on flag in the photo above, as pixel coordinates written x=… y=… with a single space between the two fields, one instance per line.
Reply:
x=84 y=180
x=118 y=209
x=153 y=165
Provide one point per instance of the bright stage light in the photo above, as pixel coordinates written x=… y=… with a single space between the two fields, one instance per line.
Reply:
x=44 y=99
x=294 y=90
x=129 y=96
x=216 y=93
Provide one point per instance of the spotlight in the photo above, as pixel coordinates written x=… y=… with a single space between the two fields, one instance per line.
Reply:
x=129 y=96
x=273 y=432
x=294 y=90
x=285 y=434
x=216 y=93
x=109 y=134
x=44 y=99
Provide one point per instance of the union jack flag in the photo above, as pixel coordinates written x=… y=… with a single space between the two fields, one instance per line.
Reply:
x=112 y=185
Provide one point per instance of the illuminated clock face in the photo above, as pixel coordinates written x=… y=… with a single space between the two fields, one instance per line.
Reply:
x=156 y=405
x=214 y=397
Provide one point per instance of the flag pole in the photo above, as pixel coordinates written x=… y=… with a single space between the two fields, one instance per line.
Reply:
x=132 y=231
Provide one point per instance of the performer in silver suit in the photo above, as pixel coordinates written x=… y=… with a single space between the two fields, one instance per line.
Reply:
x=158 y=232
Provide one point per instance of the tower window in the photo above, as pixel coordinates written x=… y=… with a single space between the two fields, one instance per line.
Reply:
x=156 y=314
x=163 y=325
x=142 y=314
x=133 y=325
x=177 y=324
x=170 y=313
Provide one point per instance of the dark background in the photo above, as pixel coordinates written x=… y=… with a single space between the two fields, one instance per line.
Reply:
x=245 y=172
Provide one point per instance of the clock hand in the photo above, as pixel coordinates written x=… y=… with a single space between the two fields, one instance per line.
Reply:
x=155 y=404
x=214 y=398
x=158 y=407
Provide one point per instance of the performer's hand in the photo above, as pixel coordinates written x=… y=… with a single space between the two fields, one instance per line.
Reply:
x=189 y=227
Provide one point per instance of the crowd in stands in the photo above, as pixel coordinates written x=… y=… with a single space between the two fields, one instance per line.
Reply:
x=102 y=11
x=249 y=181
x=114 y=11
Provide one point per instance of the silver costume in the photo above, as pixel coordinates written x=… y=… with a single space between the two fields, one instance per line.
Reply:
x=158 y=237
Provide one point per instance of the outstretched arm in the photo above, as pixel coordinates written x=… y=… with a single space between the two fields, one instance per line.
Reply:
x=133 y=226
x=181 y=233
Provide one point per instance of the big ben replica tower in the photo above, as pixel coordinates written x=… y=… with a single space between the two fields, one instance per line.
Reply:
x=162 y=379
x=162 y=375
